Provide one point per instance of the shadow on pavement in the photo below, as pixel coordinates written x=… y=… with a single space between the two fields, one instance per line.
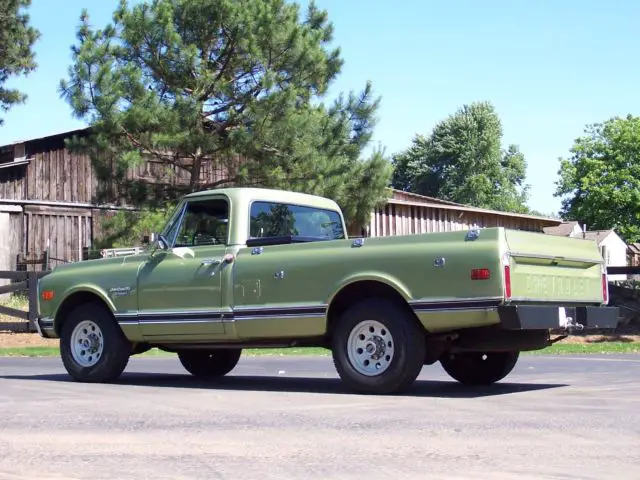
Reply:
x=421 y=388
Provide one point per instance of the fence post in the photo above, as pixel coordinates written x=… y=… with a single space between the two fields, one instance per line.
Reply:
x=32 y=285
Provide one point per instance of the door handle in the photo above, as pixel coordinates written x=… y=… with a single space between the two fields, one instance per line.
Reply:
x=210 y=261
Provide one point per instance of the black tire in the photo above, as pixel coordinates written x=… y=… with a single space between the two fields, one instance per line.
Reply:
x=116 y=349
x=400 y=328
x=210 y=363
x=479 y=368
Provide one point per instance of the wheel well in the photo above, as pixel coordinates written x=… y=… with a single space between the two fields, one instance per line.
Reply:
x=71 y=302
x=362 y=290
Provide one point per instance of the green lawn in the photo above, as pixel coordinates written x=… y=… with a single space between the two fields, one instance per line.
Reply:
x=558 y=349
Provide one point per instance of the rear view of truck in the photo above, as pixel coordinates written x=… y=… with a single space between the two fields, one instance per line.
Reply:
x=553 y=282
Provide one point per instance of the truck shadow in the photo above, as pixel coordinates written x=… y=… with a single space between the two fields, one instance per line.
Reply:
x=250 y=383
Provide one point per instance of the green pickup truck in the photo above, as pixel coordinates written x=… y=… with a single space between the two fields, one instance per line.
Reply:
x=251 y=268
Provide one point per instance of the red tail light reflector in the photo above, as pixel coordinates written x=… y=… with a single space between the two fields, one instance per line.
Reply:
x=480 y=274
x=507 y=281
x=605 y=288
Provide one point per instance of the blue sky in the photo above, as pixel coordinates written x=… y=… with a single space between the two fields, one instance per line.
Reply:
x=549 y=68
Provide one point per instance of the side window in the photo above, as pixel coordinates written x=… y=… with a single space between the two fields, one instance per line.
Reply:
x=279 y=219
x=205 y=222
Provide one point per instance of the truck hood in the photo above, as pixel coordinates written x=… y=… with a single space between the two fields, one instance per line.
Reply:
x=100 y=262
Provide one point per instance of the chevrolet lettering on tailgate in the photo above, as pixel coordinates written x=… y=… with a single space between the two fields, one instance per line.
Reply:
x=249 y=267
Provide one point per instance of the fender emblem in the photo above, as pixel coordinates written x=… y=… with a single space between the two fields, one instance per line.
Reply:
x=120 y=291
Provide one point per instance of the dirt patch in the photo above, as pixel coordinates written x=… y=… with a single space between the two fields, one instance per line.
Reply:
x=601 y=339
x=21 y=340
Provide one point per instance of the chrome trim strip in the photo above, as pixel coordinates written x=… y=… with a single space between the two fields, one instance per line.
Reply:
x=268 y=317
x=37 y=324
x=552 y=302
x=167 y=313
x=179 y=321
x=456 y=309
x=220 y=316
x=554 y=257
x=439 y=300
x=283 y=308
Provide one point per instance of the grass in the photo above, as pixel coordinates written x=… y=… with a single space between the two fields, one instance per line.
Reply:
x=557 y=349
x=19 y=302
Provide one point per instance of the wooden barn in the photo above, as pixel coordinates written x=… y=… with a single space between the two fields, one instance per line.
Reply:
x=47 y=199
x=47 y=203
x=408 y=213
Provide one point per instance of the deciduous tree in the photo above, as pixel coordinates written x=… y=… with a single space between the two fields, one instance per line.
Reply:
x=462 y=160
x=600 y=181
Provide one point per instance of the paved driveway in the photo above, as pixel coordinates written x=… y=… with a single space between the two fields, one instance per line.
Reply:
x=553 y=417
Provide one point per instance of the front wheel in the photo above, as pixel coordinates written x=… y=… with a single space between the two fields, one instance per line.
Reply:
x=479 y=368
x=210 y=363
x=92 y=346
x=378 y=347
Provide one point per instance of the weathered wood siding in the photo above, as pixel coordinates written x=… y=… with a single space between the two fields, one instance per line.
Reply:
x=12 y=181
x=399 y=219
x=61 y=232
x=54 y=174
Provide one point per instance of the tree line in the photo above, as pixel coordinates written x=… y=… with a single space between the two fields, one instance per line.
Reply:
x=196 y=84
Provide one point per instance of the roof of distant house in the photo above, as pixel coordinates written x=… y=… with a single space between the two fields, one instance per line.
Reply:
x=597 y=235
x=563 y=230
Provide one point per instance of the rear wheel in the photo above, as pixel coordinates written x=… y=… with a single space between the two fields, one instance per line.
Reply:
x=93 y=348
x=479 y=368
x=378 y=347
x=210 y=363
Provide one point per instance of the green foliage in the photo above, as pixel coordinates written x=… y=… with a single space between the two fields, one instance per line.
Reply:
x=195 y=85
x=127 y=228
x=601 y=179
x=463 y=161
x=16 y=55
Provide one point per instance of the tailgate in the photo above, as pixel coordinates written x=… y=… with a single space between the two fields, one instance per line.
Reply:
x=548 y=268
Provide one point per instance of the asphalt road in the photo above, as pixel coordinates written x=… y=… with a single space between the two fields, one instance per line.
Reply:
x=553 y=417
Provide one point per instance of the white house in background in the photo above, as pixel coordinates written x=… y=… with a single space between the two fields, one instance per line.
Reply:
x=613 y=249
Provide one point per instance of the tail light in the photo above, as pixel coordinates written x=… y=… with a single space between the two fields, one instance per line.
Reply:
x=507 y=281
x=605 y=288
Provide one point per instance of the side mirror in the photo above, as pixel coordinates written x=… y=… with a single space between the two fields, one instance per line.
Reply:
x=163 y=244
x=159 y=242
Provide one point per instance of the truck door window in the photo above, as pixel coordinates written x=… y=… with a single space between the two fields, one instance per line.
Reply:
x=205 y=222
x=279 y=219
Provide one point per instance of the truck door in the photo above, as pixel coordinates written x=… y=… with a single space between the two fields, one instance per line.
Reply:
x=179 y=287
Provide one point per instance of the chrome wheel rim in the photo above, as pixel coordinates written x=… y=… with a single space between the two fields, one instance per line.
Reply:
x=370 y=348
x=87 y=343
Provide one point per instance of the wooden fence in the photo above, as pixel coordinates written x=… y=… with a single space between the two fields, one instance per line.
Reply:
x=29 y=268
x=26 y=281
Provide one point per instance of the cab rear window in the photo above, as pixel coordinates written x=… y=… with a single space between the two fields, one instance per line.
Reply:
x=270 y=219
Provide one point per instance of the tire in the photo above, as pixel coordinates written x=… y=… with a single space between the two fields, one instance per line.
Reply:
x=479 y=368
x=396 y=345
x=93 y=348
x=210 y=363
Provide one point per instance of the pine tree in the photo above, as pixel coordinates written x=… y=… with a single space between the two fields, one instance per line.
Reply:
x=16 y=49
x=197 y=84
